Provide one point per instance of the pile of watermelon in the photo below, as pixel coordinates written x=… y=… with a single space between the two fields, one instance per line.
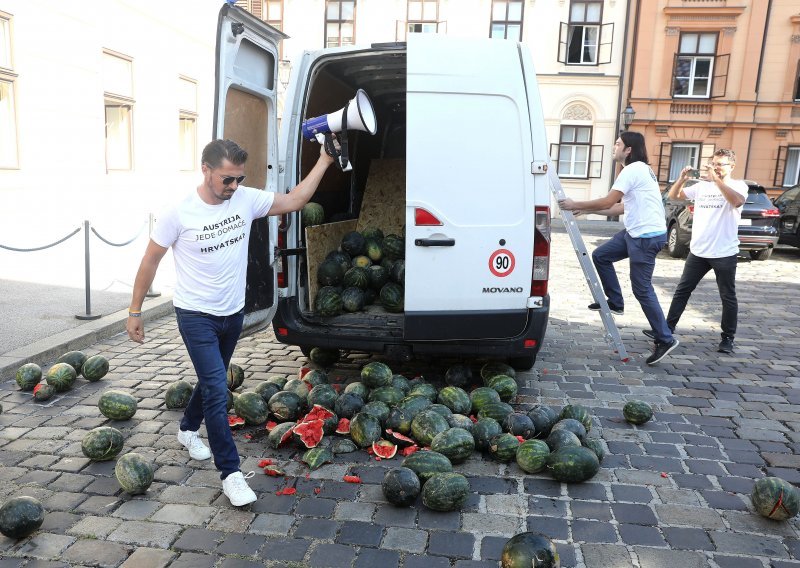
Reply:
x=367 y=269
x=62 y=375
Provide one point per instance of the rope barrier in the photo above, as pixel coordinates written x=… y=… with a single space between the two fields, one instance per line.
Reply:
x=99 y=236
x=58 y=242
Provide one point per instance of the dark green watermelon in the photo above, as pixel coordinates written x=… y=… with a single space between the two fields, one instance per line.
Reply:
x=372 y=248
x=359 y=388
x=573 y=464
x=352 y=299
x=485 y=429
x=267 y=389
x=544 y=418
x=392 y=297
x=637 y=412
x=354 y=243
x=401 y=486
x=519 y=424
x=393 y=247
x=324 y=357
x=596 y=446
x=503 y=447
x=456 y=444
x=364 y=429
x=397 y=273
x=532 y=456
x=251 y=406
x=286 y=406
x=445 y=491
x=328 y=302
x=312 y=214
x=330 y=273
x=577 y=412
x=530 y=550
x=348 y=405
x=426 y=425
x=61 y=376
x=75 y=359
x=341 y=257
x=496 y=410
x=456 y=399
x=426 y=463
x=494 y=368
x=424 y=389
x=572 y=425
x=373 y=233
x=178 y=394
x=117 y=405
x=28 y=376
x=561 y=439
x=505 y=386
x=95 y=368
x=774 y=498
x=235 y=376
x=461 y=421
x=134 y=473
x=378 y=276
x=323 y=395
x=357 y=277
x=389 y=395
x=376 y=374
x=103 y=443
x=21 y=517
x=378 y=409
x=458 y=376
x=482 y=396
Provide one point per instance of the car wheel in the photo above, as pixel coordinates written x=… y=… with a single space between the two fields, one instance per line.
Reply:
x=674 y=248
x=763 y=254
x=522 y=363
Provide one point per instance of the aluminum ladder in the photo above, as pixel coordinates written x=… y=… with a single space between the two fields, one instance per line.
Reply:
x=612 y=333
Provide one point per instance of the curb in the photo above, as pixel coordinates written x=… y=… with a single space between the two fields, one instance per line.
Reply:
x=44 y=351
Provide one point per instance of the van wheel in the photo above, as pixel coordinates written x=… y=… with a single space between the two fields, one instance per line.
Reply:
x=522 y=363
x=674 y=248
x=763 y=254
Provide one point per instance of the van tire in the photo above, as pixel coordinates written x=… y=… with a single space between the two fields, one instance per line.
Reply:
x=522 y=363
x=762 y=254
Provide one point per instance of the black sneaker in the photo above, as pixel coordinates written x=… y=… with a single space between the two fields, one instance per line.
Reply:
x=652 y=334
x=661 y=351
x=726 y=345
x=614 y=309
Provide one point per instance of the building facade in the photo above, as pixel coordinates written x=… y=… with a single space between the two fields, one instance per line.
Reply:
x=710 y=74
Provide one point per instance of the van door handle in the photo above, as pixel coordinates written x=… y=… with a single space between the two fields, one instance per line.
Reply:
x=435 y=242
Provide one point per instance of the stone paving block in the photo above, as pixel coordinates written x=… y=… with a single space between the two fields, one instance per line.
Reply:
x=665 y=558
x=148 y=558
x=757 y=545
x=724 y=561
x=591 y=510
x=492 y=547
x=189 y=495
x=332 y=556
x=240 y=544
x=98 y=505
x=484 y=523
x=285 y=549
x=593 y=531
x=95 y=553
x=315 y=528
x=412 y=561
x=231 y=520
x=435 y=520
x=145 y=533
x=372 y=558
x=357 y=511
x=136 y=509
x=606 y=555
x=406 y=540
x=315 y=507
x=640 y=535
x=45 y=545
x=93 y=527
x=238 y=562
x=630 y=493
x=451 y=544
x=58 y=522
x=550 y=527
x=360 y=533
x=198 y=540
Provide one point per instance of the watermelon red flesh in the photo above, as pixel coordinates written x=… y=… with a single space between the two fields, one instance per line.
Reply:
x=317 y=413
x=343 y=427
x=384 y=449
x=399 y=439
x=309 y=433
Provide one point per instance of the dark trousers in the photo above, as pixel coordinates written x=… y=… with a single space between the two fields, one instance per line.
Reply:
x=210 y=341
x=693 y=272
x=642 y=254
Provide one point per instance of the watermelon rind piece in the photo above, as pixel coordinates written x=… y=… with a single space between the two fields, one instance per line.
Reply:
x=316 y=457
x=280 y=434
x=384 y=449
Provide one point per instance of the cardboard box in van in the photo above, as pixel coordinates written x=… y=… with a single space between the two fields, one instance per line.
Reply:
x=456 y=157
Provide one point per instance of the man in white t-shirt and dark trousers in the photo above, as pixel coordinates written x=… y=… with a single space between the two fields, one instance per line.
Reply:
x=636 y=193
x=209 y=234
x=718 y=201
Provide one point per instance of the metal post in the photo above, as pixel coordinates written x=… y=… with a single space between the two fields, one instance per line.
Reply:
x=150 y=292
x=88 y=315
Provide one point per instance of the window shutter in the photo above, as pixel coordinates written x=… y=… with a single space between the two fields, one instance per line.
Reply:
x=674 y=71
x=255 y=9
x=663 y=161
x=606 y=41
x=596 y=161
x=563 y=34
x=554 y=153
x=719 y=82
x=780 y=166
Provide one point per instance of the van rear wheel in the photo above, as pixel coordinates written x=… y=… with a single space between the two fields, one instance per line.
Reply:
x=762 y=254
x=522 y=363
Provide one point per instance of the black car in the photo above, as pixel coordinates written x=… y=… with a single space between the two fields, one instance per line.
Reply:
x=758 y=227
x=788 y=204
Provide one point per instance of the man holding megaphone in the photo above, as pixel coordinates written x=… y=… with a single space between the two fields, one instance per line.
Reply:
x=209 y=233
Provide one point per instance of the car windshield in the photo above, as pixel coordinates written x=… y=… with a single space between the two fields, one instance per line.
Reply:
x=758 y=199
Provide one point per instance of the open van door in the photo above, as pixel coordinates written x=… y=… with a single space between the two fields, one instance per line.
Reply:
x=470 y=203
x=245 y=111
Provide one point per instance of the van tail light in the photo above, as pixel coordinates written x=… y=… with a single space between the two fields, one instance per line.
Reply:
x=691 y=209
x=424 y=218
x=280 y=261
x=770 y=213
x=541 y=252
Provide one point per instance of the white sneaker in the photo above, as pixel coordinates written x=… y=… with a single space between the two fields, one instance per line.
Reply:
x=237 y=490
x=192 y=442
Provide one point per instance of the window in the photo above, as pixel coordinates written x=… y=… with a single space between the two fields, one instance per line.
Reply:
x=573 y=151
x=683 y=155
x=694 y=65
x=791 y=173
x=8 y=116
x=187 y=123
x=797 y=84
x=423 y=16
x=272 y=13
x=118 y=86
x=585 y=40
x=506 y=19
x=340 y=22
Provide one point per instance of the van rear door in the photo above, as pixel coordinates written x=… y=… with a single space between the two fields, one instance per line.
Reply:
x=469 y=191
x=245 y=110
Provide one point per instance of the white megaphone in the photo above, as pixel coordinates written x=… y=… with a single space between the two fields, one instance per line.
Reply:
x=357 y=114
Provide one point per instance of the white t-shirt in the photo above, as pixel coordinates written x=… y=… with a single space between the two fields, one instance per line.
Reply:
x=209 y=245
x=641 y=197
x=715 y=224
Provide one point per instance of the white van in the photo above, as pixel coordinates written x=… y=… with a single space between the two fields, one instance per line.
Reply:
x=461 y=121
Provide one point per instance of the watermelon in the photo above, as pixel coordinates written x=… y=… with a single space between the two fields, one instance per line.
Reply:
x=28 y=376
x=378 y=409
x=456 y=399
x=285 y=406
x=440 y=409
x=362 y=261
x=774 y=498
x=596 y=446
x=312 y=214
x=392 y=297
x=299 y=387
x=343 y=446
x=357 y=387
x=426 y=425
x=544 y=418
x=280 y=434
x=579 y=413
x=562 y=439
x=328 y=302
x=352 y=299
x=494 y=368
x=503 y=447
x=314 y=377
x=378 y=276
x=527 y=550
x=637 y=412
x=485 y=429
x=519 y=424
x=323 y=395
x=401 y=383
x=21 y=517
x=388 y=395
x=229 y=402
x=94 y=368
x=496 y=410
x=461 y=421
x=341 y=257
x=324 y=357
x=373 y=250
x=235 y=376
x=330 y=421
x=532 y=456
x=399 y=439
x=373 y=233
x=348 y=405
x=375 y=375
x=393 y=247
x=103 y=443
x=117 y=405
x=134 y=473
x=399 y=420
x=456 y=444
x=458 y=376
x=397 y=273
x=42 y=392
x=330 y=273
x=445 y=491
x=75 y=359
x=365 y=429
x=278 y=380
x=401 y=486
x=427 y=463
x=308 y=433
x=482 y=396
x=505 y=386
x=354 y=243
x=316 y=457
x=266 y=389
x=178 y=394
x=384 y=449
x=61 y=376
x=413 y=404
x=571 y=425
x=250 y=406
x=424 y=389
x=573 y=464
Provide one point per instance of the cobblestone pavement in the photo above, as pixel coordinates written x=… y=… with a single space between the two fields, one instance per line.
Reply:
x=674 y=492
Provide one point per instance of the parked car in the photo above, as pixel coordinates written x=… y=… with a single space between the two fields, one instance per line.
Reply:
x=788 y=205
x=758 y=227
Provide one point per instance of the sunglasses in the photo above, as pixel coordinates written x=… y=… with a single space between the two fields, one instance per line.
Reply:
x=227 y=180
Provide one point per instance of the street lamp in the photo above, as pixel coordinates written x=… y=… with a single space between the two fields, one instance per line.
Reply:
x=627 y=116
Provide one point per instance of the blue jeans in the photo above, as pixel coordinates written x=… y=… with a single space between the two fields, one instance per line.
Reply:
x=210 y=341
x=694 y=270
x=642 y=254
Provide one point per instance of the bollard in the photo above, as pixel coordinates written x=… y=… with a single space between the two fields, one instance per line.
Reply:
x=150 y=292
x=88 y=315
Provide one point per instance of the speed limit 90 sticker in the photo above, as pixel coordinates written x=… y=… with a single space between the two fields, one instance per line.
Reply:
x=501 y=262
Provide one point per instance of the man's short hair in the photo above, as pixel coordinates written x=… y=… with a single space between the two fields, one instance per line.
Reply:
x=218 y=150
x=730 y=154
